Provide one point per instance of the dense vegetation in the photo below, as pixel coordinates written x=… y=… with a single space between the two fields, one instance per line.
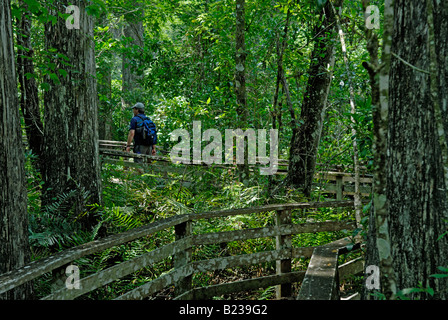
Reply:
x=312 y=69
x=181 y=67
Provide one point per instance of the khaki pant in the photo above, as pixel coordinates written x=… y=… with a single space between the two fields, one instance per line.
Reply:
x=140 y=149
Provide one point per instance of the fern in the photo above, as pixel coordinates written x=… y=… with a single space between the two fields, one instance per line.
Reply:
x=54 y=226
x=121 y=220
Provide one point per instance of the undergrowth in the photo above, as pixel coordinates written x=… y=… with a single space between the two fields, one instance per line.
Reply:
x=132 y=199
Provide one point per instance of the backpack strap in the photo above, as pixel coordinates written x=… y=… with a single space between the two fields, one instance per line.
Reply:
x=143 y=119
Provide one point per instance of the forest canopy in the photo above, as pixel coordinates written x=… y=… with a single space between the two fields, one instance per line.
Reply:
x=269 y=98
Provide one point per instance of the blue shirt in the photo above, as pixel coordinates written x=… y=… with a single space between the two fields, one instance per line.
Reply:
x=133 y=126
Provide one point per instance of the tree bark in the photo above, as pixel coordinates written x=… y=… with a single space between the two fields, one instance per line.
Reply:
x=71 y=154
x=14 y=249
x=381 y=187
x=305 y=139
x=416 y=187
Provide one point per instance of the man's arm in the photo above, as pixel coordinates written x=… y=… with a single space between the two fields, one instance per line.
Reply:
x=153 y=149
x=130 y=138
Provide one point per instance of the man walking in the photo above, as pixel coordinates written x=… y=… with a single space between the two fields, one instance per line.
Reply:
x=140 y=146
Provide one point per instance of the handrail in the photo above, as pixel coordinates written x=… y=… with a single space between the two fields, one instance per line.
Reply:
x=34 y=269
x=184 y=267
x=331 y=182
x=321 y=280
x=114 y=145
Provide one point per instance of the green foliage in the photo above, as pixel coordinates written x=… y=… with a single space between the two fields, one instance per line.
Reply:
x=403 y=294
x=51 y=227
x=441 y=275
x=186 y=72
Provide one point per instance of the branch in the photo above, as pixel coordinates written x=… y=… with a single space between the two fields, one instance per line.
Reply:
x=370 y=68
x=409 y=65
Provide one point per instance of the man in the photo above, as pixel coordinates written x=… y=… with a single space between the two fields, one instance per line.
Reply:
x=139 y=114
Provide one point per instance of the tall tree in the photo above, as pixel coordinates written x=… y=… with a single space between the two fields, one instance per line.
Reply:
x=133 y=31
x=71 y=151
x=240 y=60
x=416 y=183
x=240 y=77
x=14 y=249
x=379 y=145
x=306 y=136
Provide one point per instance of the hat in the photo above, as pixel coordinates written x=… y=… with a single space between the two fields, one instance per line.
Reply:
x=139 y=106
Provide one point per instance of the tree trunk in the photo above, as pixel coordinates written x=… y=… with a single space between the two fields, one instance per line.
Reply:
x=240 y=79
x=372 y=258
x=105 y=121
x=71 y=151
x=29 y=100
x=380 y=187
x=305 y=139
x=104 y=72
x=357 y=195
x=14 y=249
x=281 y=44
x=131 y=80
x=416 y=188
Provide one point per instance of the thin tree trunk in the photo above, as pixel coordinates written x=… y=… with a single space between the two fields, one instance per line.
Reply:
x=380 y=195
x=105 y=88
x=29 y=100
x=357 y=196
x=281 y=78
x=131 y=86
x=372 y=258
x=14 y=249
x=240 y=79
x=305 y=140
x=71 y=151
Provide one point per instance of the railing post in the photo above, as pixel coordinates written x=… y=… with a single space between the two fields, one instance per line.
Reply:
x=284 y=265
x=182 y=258
x=339 y=187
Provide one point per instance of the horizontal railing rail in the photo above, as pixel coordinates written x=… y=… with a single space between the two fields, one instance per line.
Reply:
x=323 y=275
x=181 y=251
x=333 y=182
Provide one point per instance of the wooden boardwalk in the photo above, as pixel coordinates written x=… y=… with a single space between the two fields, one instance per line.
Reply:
x=184 y=267
x=319 y=282
x=333 y=181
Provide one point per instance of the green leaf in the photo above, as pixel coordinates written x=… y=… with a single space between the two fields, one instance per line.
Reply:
x=33 y=5
x=439 y=276
x=441 y=236
x=16 y=12
x=209 y=100
x=29 y=75
x=63 y=72
x=54 y=77
x=45 y=86
x=443 y=269
x=356 y=232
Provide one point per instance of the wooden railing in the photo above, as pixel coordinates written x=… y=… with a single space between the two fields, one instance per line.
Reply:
x=333 y=182
x=322 y=277
x=184 y=267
